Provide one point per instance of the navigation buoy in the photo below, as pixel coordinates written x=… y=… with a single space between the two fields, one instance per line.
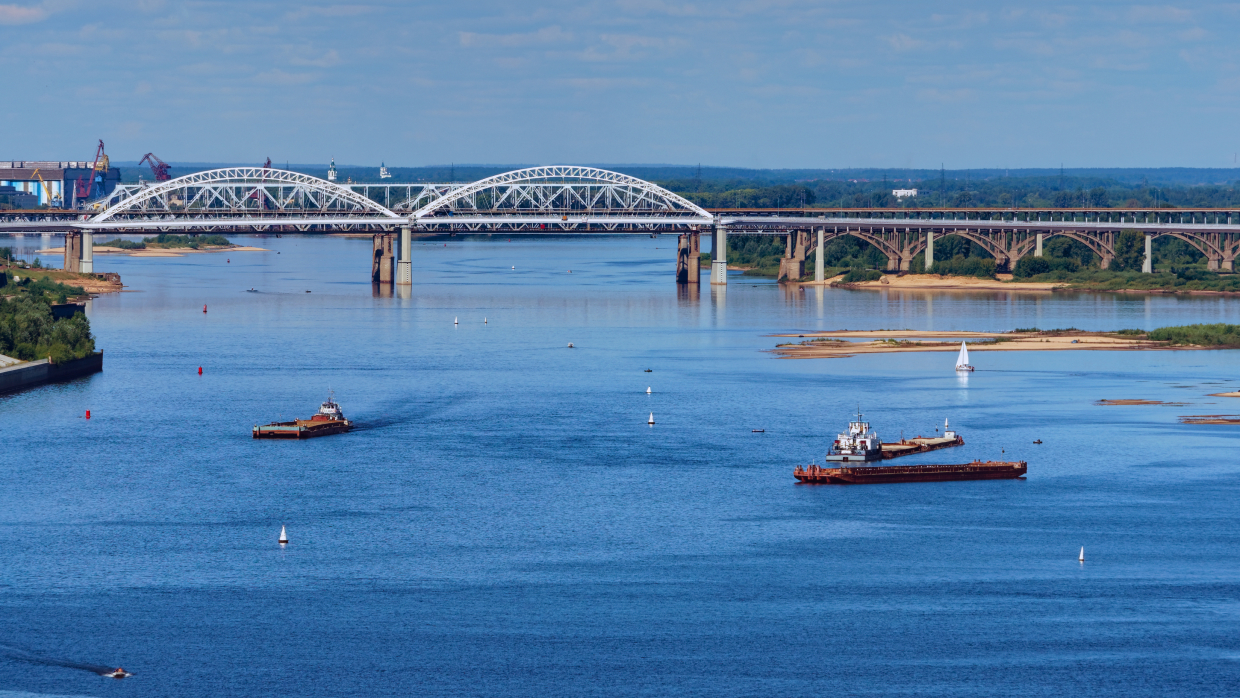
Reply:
x=1082 y=557
x=456 y=321
x=204 y=308
x=651 y=420
x=647 y=390
x=88 y=414
x=570 y=271
x=200 y=370
x=229 y=261
x=283 y=537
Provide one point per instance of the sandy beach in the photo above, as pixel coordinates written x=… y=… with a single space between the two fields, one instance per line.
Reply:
x=820 y=345
x=935 y=282
x=159 y=251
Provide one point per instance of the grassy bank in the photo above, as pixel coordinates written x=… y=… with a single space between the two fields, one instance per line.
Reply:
x=27 y=329
x=1107 y=280
x=166 y=241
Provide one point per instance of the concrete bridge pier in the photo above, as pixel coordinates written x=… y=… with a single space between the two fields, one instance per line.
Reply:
x=929 y=263
x=73 y=252
x=88 y=252
x=381 y=264
x=719 y=257
x=1147 y=265
x=689 y=258
x=819 y=268
x=1038 y=249
x=404 y=267
x=792 y=265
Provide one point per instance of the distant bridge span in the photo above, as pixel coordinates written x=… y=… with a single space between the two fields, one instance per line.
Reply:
x=586 y=200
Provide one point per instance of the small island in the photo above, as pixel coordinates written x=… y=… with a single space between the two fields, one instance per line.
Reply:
x=843 y=343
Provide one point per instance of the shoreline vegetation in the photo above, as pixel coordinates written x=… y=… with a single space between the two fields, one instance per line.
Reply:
x=842 y=344
x=28 y=328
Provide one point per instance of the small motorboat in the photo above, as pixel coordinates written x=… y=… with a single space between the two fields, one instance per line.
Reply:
x=252 y=290
x=759 y=431
x=119 y=673
x=1038 y=441
x=647 y=370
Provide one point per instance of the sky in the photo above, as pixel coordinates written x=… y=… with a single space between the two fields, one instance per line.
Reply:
x=746 y=83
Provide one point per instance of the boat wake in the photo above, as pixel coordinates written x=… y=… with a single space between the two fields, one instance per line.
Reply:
x=27 y=656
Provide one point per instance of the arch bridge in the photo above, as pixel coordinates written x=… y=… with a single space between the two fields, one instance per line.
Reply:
x=586 y=200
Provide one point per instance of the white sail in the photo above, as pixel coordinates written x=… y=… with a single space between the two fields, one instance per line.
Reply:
x=963 y=358
x=1082 y=557
x=283 y=535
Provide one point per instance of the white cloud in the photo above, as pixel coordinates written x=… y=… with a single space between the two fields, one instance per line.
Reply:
x=546 y=35
x=22 y=14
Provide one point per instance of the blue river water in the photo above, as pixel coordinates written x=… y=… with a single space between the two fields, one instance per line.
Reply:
x=504 y=522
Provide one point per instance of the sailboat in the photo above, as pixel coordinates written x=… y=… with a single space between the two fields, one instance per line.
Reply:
x=962 y=360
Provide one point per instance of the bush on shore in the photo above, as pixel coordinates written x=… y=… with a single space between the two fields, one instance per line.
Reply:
x=1215 y=335
x=190 y=241
x=123 y=244
x=27 y=329
x=980 y=267
x=856 y=275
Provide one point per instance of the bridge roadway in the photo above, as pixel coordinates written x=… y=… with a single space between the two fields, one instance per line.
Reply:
x=582 y=200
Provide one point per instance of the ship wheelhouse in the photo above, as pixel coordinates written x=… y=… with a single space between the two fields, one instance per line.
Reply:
x=859 y=443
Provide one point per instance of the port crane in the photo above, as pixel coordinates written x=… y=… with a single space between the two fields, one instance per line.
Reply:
x=47 y=191
x=158 y=167
x=83 y=189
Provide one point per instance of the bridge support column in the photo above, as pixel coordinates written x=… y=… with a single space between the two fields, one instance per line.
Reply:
x=695 y=258
x=819 y=268
x=1147 y=266
x=1038 y=251
x=1213 y=264
x=929 y=251
x=792 y=265
x=383 y=255
x=88 y=253
x=404 y=267
x=719 y=257
x=73 y=252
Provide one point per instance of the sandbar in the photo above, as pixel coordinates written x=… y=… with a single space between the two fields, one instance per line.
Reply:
x=823 y=345
x=936 y=282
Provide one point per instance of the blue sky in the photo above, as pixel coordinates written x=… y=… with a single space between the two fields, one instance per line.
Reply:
x=752 y=83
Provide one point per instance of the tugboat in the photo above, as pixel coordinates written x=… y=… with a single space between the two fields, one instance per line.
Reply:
x=328 y=420
x=858 y=444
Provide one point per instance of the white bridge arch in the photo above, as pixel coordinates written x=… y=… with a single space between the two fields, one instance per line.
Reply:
x=559 y=197
x=250 y=196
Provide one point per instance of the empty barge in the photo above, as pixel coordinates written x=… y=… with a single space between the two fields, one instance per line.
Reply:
x=864 y=475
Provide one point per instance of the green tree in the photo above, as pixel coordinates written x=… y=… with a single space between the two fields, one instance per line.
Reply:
x=1129 y=251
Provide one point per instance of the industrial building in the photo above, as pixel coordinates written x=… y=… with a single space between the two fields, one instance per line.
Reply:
x=59 y=184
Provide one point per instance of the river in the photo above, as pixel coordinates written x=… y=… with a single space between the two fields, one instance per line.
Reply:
x=504 y=522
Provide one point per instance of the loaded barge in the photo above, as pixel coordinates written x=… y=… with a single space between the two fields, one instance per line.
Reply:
x=861 y=444
x=328 y=420
x=977 y=470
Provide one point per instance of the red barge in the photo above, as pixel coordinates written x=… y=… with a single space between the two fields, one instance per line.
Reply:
x=863 y=475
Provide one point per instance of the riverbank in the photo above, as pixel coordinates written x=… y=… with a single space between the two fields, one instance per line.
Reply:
x=159 y=251
x=937 y=282
x=32 y=374
x=826 y=345
x=93 y=284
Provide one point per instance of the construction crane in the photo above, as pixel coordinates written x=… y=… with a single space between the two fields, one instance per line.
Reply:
x=83 y=189
x=47 y=191
x=158 y=167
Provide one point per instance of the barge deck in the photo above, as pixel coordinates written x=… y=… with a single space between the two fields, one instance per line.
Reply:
x=862 y=475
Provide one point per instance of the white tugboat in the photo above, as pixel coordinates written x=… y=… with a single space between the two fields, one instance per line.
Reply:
x=859 y=444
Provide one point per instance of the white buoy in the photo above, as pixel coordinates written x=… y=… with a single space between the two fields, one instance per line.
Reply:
x=1082 y=557
x=651 y=420
x=283 y=536
x=647 y=390
x=514 y=266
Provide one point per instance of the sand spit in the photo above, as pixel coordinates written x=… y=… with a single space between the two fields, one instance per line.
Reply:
x=821 y=345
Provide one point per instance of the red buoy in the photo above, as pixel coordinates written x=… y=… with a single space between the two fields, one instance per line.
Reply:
x=200 y=370
x=204 y=308
x=228 y=260
x=88 y=414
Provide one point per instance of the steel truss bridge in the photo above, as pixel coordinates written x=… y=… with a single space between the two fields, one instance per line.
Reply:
x=586 y=200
